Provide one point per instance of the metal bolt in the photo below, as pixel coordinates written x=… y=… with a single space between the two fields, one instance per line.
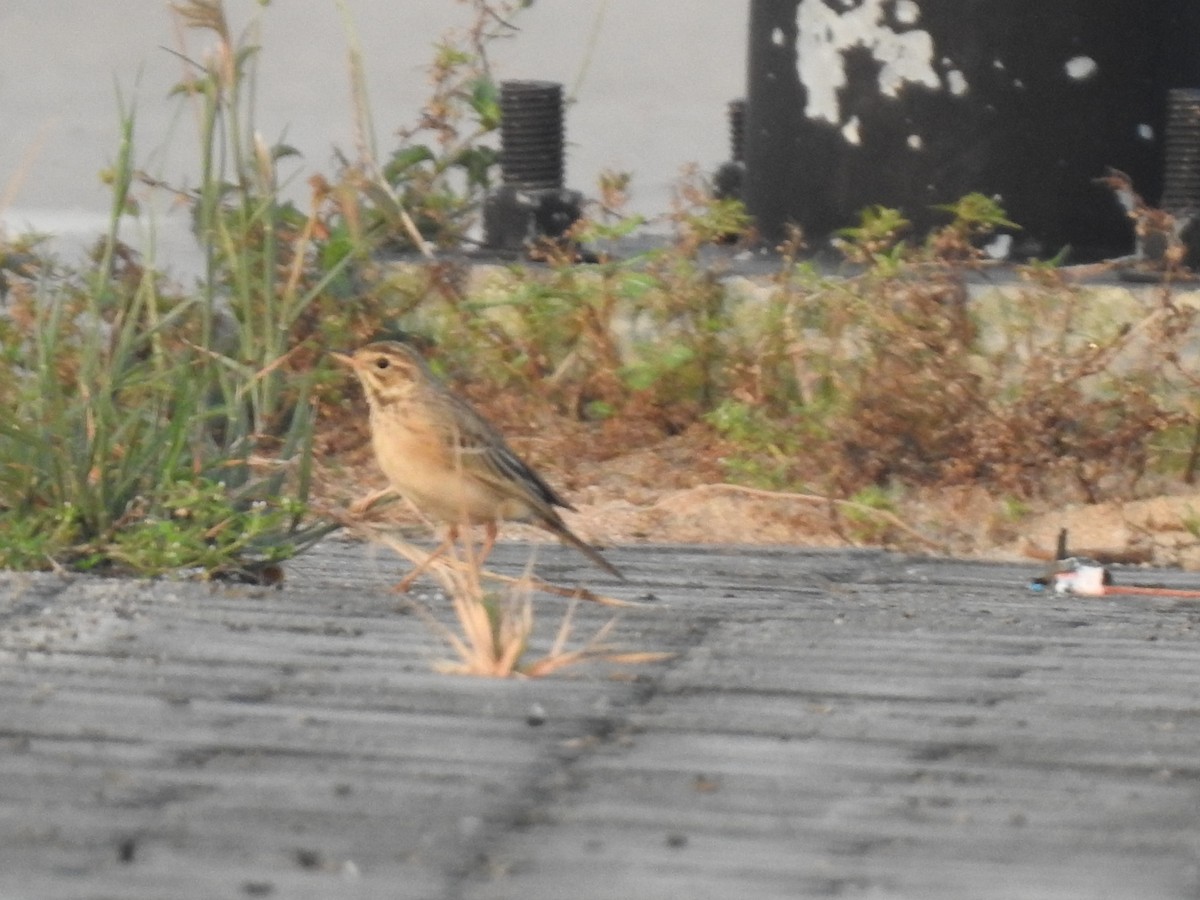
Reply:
x=531 y=134
x=1181 y=178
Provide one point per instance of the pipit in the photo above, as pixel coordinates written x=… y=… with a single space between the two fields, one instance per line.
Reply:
x=438 y=452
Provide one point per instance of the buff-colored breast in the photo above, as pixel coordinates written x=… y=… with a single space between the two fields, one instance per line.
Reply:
x=420 y=466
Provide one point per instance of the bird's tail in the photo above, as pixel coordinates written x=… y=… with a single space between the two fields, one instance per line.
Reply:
x=559 y=528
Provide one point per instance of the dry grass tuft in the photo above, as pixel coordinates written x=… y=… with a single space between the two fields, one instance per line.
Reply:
x=494 y=627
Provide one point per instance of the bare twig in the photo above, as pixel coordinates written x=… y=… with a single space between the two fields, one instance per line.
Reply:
x=885 y=515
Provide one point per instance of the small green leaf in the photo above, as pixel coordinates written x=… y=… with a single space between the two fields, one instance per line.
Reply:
x=404 y=159
x=478 y=163
x=485 y=100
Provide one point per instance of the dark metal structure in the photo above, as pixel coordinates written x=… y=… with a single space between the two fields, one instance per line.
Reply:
x=531 y=203
x=1026 y=100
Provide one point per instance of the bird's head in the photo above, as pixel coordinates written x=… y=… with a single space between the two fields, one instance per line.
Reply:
x=388 y=370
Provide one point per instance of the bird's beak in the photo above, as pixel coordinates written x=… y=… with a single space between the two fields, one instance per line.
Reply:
x=344 y=359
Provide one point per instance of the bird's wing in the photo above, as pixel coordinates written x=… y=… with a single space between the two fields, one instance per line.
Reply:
x=483 y=452
x=486 y=454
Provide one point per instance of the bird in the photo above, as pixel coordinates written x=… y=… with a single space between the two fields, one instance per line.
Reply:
x=442 y=455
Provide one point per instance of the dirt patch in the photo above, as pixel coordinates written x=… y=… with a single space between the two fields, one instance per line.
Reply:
x=672 y=490
x=1160 y=530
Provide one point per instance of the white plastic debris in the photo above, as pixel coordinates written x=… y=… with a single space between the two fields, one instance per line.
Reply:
x=1085 y=578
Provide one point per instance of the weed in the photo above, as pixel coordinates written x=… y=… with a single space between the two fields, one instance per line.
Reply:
x=770 y=448
x=429 y=190
x=860 y=514
x=266 y=263
x=1191 y=522
x=495 y=629
x=899 y=375
x=151 y=431
x=876 y=237
x=641 y=337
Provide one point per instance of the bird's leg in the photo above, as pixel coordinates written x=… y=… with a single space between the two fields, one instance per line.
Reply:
x=360 y=506
x=489 y=542
x=477 y=559
x=407 y=581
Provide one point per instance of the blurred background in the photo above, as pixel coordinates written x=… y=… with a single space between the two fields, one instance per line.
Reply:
x=650 y=82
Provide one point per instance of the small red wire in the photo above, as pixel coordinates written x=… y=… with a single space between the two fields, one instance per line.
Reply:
x=1150 y=591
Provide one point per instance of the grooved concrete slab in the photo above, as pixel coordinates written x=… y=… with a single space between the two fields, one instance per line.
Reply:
x=833 y=724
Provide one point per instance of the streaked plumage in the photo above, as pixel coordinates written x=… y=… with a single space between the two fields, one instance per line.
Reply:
x=440 y=453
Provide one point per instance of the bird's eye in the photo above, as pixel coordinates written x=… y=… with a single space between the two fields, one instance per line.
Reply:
x=382 y=363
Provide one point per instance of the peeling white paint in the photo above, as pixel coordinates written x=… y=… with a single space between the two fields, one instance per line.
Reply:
x=1081 y=68
x=907 y=12
x=999 y=247
x=1145 y=132
x=956 y=81
x=851 y=133
x=777 y=37
x=905 y=57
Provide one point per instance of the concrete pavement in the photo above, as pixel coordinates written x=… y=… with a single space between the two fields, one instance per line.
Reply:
x=846 y=723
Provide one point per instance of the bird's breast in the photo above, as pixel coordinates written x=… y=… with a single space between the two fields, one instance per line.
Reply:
x=421 y=466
